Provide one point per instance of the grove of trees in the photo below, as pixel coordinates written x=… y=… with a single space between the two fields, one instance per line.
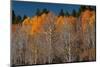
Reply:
x=48 y=38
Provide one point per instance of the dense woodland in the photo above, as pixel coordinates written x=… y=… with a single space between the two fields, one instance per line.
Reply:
x=47 y=38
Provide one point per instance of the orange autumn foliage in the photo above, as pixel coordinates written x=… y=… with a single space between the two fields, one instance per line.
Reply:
x=71 y=20
x=61 y=21
x=36 y=23
x=87 y=17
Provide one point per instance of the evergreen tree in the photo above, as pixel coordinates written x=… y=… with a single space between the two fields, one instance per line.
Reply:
x=16 y=19
x=45 y=10
x=67 y=14
x=19 y=19
x=13 y=17
x=38 y=12
x=24 y=17
x=61 y=13
x=82 y=8
x=91 y=8
x=74 y=13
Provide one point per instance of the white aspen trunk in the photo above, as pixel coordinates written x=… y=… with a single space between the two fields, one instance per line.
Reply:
x=69 y=50
x=35 y=56
x=49 y=40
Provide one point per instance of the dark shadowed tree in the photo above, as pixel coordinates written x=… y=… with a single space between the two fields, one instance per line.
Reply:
x=61 y=13
x=82 y=8
x=19 y=19
x=38 y=12
x=78 y=13
x=13 y=17
x=45 y=11
x=24 y=17
x=67 y=13
x=74 y=13
x=91 y=8
x=16 y=19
